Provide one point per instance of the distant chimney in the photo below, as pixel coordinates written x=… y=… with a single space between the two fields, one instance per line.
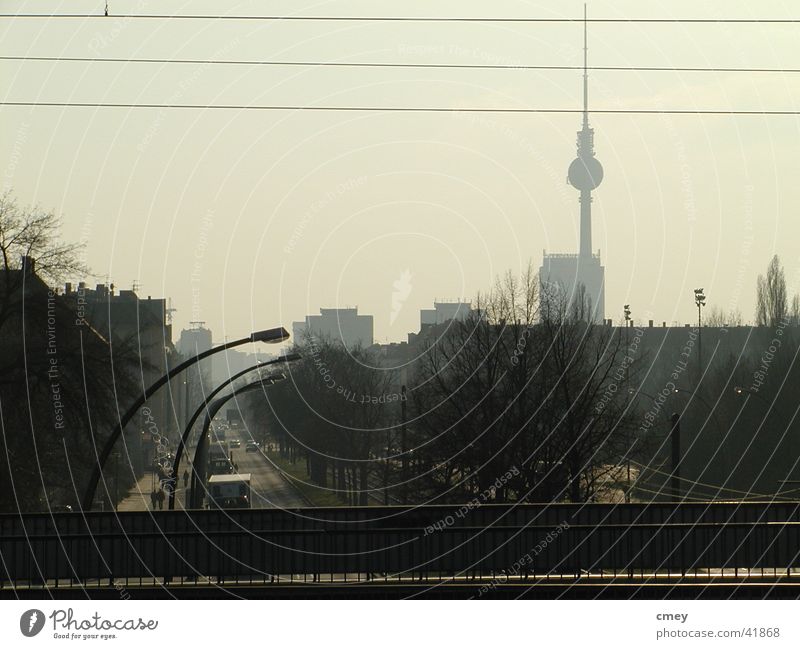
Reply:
x=68 y=288
x=650 y=323
x=28 y=265
x=664 y=324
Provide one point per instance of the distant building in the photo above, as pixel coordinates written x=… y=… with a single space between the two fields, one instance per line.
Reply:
x=197 y=381
x=142 y=325
x=570 y=277
x=442 y=312
x=339 y=325
x=194 y=341
x=123 y=315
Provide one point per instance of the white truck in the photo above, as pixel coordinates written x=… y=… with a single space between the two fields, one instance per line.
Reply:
x=230 y=491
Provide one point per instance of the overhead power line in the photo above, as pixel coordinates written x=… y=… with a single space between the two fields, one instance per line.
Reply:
x=344 y=64
x=428 y=19
x=401 y=109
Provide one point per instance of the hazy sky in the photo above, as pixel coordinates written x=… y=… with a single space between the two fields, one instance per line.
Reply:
x=250 y=219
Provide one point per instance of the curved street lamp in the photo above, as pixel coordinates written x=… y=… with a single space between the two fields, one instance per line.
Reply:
x=725 y=451
x=185 y=437
x=187 y=431
x=705 y=403
x=633 y=392
x=675 y=441
x=751 y=393
x=201 y=452
x=272 y=336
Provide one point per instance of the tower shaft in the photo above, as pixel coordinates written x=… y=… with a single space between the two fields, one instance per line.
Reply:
x=586 y=224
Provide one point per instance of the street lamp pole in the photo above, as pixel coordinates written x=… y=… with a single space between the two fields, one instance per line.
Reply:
x=201 y=452
x=637 y=392
x=185 y=399
x=190 y=424
x=277 y=335
x=675 y=434
x=403 y=444
x=633 y=393
x=627 y=312
x=116 y=481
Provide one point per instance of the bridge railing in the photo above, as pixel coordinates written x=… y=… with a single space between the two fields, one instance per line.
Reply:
x=239 y=546
x=400 y=516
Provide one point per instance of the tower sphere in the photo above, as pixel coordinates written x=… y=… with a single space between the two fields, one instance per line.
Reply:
x=585 y=174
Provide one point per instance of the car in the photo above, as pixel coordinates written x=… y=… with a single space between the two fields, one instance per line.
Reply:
x=251 y=447
x=235 y=443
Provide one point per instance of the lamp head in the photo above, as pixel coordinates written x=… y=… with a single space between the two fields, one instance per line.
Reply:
x=272 y=336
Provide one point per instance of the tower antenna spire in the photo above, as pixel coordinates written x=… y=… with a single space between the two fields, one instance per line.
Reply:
x=585 y=71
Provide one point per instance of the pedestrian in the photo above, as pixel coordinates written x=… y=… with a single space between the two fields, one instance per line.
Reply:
x=161 y=499
x=154 y=498
x=185 y=478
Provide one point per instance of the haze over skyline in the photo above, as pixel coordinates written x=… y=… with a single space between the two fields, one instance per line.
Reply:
x=256 y=218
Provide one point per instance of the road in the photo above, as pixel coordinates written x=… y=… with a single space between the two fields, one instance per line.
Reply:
x=268 y=487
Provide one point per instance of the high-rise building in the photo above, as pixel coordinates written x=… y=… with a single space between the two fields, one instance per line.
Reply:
x=197 y=380
x=141 y=327
x=338 y=325
x=194 y=341
x=444 y=311
x=581 y=276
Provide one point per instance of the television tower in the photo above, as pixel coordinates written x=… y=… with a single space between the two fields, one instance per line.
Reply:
x=579 y=277
x=585 y=171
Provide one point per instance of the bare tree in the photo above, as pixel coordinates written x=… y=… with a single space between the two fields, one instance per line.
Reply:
x=526 y=387
x=716 y=317
x=58 y=388
x=771 y=299
x=334 y=411
x=32 y=233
